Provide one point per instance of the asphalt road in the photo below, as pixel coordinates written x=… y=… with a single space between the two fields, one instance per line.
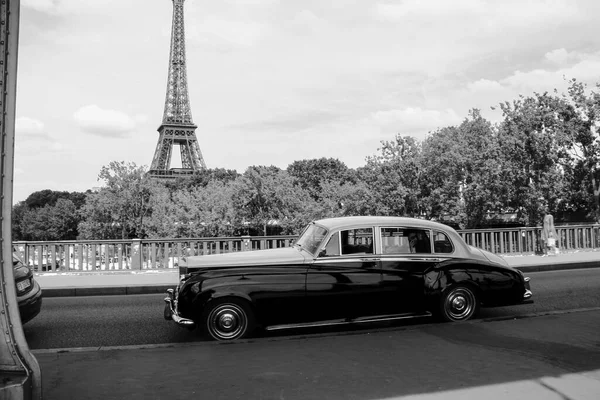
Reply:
x=104 y=321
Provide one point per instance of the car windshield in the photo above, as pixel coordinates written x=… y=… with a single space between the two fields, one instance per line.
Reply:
x=311 y=238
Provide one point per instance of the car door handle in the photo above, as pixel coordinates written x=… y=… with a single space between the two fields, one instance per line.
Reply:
x=370 y=259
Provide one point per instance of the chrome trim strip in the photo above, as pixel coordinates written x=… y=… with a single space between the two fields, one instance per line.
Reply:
x=361 y=259
x=305 y=325
x=394 y=317
x=362 y=320
x=412 y=257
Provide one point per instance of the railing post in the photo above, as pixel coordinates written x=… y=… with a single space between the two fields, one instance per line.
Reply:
x=520 y=241
x=246 y=244
x=136 y=254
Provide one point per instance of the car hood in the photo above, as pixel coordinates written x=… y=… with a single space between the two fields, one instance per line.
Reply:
x=287 y=255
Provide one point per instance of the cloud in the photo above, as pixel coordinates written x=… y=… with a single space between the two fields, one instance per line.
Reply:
x=485 y=85
x=516 y=13
x=294 y=122
x=552 y=71
x=558 y=56
x=31 y=133
x=70 y=7
x=252 y=2
x=45 y=6
x=414 y=120
x=583 y=67
x=306 y=18
x=218 y=32
x=97 y=121
x=30 y=128
x=399 y=11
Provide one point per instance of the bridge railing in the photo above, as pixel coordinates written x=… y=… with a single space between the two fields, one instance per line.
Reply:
x=135 y=254
x=159 y=254
x=529 y=240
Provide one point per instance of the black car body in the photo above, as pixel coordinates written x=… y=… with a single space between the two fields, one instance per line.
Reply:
x=344 y=270
x=29 y=293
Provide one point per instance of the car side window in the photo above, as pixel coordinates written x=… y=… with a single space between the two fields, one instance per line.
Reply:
x=405 y=240
x=442 y=243
x=394 y=241
x=357 y=241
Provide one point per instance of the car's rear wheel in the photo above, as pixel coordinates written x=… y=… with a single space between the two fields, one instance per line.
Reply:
x=458 y=303
x=228 y=319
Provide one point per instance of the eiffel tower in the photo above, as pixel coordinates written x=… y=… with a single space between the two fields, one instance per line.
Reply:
x=177 y=127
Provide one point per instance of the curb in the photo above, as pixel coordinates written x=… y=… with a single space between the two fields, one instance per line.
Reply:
x=106 y=290
x=559 y=266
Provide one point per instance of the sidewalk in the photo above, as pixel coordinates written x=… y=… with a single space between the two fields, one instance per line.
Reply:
x=158 y=281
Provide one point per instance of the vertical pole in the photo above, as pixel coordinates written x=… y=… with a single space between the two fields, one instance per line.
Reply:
x=136 y=254
x=20 y=375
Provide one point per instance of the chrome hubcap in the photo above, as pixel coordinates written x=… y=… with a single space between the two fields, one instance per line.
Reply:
x=227 y=321
x=460 y=304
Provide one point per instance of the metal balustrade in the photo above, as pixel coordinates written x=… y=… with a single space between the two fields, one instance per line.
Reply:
x=159 y=254
x=134 y=254
x=529 y=240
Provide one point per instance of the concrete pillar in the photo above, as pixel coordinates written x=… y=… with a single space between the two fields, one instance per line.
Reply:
x=20 y=376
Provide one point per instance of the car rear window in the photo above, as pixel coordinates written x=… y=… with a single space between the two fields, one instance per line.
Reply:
x=442 y=243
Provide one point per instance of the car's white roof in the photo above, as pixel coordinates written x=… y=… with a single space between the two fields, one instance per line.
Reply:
x=365 y=221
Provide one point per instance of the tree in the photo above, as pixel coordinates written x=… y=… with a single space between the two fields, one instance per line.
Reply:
x=49 y=197
x=48 y=223
x=264 y=195
x=345 y=199
x=533 y=143
x=38 y=205
x=392 y=177
x=443 y=175
x=203 y=177
x=580 y=115
x=485 y=188
x=119 y=209
x=202 y=211
x=310 y=174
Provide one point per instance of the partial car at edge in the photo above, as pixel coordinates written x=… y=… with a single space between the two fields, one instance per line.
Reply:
x=342 y=271
x=29 y=293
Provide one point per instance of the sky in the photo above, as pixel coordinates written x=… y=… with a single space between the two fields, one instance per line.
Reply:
x=275 y=81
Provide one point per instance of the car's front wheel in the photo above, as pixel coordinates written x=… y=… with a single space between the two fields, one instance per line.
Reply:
x=458 y=303
x=228 y=319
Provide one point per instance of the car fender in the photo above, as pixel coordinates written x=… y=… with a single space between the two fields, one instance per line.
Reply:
x=206 y=296
x=489 y=280
x=227 y=293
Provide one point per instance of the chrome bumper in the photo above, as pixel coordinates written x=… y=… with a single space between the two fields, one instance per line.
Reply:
x=528 y=292
x=171 y=311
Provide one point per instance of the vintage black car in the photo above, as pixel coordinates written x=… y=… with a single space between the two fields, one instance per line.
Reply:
x=344 y=270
